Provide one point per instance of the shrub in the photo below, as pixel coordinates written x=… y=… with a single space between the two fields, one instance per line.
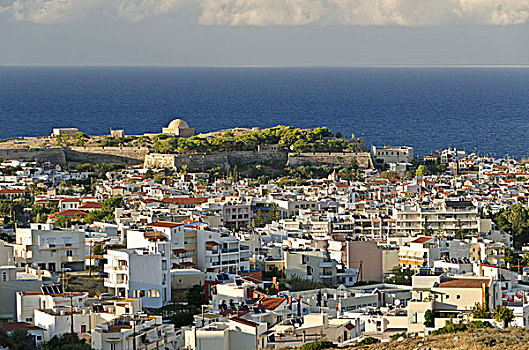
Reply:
x=396 y=336
x=480 y=324
x=429 y=320
x=317 y=345
x=450 y=328
x=369 y=341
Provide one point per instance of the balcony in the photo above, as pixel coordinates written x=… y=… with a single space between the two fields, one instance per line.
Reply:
x=72 y=258
x=230 y=250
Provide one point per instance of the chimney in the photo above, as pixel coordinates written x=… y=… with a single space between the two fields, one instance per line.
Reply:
x=299 y=304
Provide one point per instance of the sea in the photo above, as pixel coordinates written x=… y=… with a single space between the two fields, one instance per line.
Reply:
x=479 y=109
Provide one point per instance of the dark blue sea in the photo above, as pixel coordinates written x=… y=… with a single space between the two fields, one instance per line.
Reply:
x=429 y=108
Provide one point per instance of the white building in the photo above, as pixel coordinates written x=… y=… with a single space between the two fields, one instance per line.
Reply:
x=388 y=154
x=137 y=273
x=44 y=247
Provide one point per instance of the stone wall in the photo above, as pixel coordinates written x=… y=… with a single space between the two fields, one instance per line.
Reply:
x=123 y=155
x=77 y=155
x=363 y=159
x=53 y=155
x=208 y=161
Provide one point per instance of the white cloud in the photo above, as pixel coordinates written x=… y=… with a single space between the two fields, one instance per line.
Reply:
x=280 y=12
x=364 y=12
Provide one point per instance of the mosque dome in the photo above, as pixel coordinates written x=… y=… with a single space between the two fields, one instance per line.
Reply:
x=177 y=124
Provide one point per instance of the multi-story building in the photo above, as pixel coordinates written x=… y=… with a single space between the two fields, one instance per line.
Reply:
x=47 y=248
x=423 y=251
x=134 y=332
x=388 y=154
x=446 y=217
x=318 y=266
x=221 y=252
x=138 y=273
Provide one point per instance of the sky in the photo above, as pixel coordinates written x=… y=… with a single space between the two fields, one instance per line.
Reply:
x=264 y=32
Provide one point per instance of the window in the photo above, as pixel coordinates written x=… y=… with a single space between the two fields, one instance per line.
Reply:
x=154 y=293
x=458 y=296
x=69 y=253
x=113 y=346
x=4 y=276
x=139 y=293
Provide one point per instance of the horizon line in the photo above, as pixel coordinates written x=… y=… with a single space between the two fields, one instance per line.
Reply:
x=267 y=66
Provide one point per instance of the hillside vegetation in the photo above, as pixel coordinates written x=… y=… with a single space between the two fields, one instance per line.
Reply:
x=481 y=339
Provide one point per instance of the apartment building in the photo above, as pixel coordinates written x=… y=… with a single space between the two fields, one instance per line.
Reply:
x=423 y=251
x=138 y=273
x=235 y=334
x=134 y=332
x=221 y=252
x=44 y=247
x=448 y=297
x=445 y=217
x=317 y=265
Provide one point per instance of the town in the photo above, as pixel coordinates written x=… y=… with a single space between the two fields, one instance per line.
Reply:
x=255 y=239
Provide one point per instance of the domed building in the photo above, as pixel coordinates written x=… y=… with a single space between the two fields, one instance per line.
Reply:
x=178 y=127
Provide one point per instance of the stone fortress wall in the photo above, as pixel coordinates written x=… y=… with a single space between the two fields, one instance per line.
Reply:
x=77 y=155
x=362 y=159
x=141 y=155
x=224 y=159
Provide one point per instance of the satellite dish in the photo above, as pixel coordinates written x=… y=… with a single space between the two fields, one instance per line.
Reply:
x=397 y=302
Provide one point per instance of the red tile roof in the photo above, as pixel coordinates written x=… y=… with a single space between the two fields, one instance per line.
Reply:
x=11 y=326
x=70 y=213
x=271 y=303
x=245 y=322
x=464 y=283
x=185 y=200
x=421 y=240
x=91 y=205
x=164 y=224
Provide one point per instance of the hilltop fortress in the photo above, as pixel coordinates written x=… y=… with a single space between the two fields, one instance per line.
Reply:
x=117 y=149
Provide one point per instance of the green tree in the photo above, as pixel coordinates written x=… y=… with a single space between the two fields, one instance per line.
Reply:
x=429 y=320
x=400 y=276
x=514 y=220
x=503 y=314
x=426 y=229
x=298 y=284
x=65 y=343
x=17 y=340
x=480 y=311
x=62 y=221
x=421 y=171
x=196 y=296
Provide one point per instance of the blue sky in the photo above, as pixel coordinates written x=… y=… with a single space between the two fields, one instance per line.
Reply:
x=264 y=32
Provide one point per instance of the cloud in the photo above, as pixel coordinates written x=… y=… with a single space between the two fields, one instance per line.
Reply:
x=410 y=13
x=364 y=12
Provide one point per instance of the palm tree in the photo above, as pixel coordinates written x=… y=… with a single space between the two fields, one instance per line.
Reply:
x=503 y=313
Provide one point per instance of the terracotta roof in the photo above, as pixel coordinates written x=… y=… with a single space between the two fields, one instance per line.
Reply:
x=164 y=224
x=185 y=200
x=464 y=283
x=6 y=190
x=154 y=235
x=422 y=240
x=245 y=322
x=91 y=205
x=271 y=303
x=11 y=326
x=70 y=213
